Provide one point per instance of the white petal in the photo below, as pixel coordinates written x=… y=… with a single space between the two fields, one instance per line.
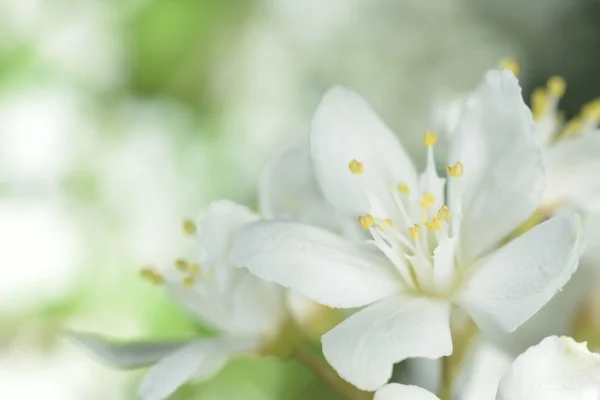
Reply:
x=257 y=306
x=503 y=178
x=209 y=304
x=396 y=391
x=444 y=264
x=481 y=372
x=288 y=190
x=364 y=348
x=518 y=279
x=324 y=267
x=346 y=128
x=217 y=226
x=571 y=171
x=555 y=369
x=198 y=360
x=122 y=354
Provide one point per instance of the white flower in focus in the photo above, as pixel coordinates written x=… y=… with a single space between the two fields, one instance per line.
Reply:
x=246 y=311
x=432 y=245
x=555 y=369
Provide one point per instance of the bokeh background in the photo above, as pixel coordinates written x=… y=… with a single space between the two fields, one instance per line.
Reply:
x=118 y=118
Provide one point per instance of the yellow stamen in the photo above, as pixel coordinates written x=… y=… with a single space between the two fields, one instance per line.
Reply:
x=366 y=221
x=456 y=170
x=195 y=268
x=189 y=227
x=182 y=265
x=403 y=187
x=511 y=64
x=443 y=213
x=429 y=139
x=572 y=128
x=188 y=281
x=591 y=110
x=356 y=167
x=539 y=103
x=434 y=225
x=428 y=199
x=413 y=231
x=389 y=222
x=151 y=275
x=557 y=86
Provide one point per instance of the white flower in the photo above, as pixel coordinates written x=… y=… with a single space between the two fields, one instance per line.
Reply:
x=421 y=259
x=570 y=153
x=246 y=311
x=570 y=150
x=555 y=369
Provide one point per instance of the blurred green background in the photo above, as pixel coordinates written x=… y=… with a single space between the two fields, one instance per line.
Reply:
x=118 y=118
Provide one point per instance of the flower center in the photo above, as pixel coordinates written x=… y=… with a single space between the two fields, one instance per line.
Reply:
x=187 y=272
x=420 y=221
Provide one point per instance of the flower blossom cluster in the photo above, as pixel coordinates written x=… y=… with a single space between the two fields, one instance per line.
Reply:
x=350 y=223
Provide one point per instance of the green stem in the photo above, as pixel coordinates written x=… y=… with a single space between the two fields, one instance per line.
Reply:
x=322 y=371
x=462 y=339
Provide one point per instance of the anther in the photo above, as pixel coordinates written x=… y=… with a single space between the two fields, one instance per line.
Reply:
x=434 y=225
x=413 y=231
x=195 y=268
x=591 y=109
x=511 y=64
x=182 y=265
x=403 y=187
x=429 y=139
x=443 y=213
x=557 y=86
x=366 y=221
x=152 y=276
x=389 y=222
x=456 y=170
x=356 y=167
x=189 y=227
x=188 y=281
x=428 y=200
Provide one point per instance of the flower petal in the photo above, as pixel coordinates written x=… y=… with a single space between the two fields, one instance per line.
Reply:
x=503 y=175
x=396 y=391
x=555 y=369
x=364 y=348
x=324 y=267
x=346 y=128
x=288 y=190
x=122 y=354
x=514 y=282
x=217 y=226
x=199 y=359
x=571 y=169
x=257 y=306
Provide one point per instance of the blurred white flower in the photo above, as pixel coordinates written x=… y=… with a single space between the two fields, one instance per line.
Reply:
x=571 y=150
x=59 y=374
x=421 y=260
x=42 y=132
x=246 y=311
x=42 y=251
x=555 y=369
